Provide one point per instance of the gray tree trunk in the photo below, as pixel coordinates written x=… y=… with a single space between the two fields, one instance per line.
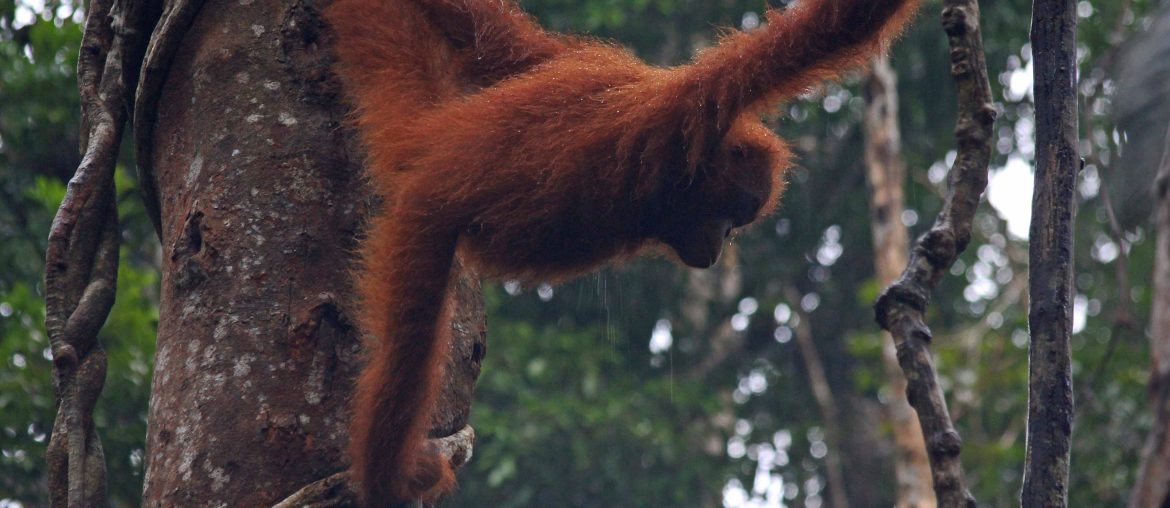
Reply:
x=261 y=200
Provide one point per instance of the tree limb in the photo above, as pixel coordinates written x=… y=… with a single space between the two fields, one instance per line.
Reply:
x=900 y=308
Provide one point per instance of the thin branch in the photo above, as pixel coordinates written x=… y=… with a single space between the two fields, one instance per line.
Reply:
x=1123 y=314
x=823 y=393
x=900 y=308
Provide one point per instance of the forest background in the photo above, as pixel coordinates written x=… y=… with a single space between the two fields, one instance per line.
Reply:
x=651 y=385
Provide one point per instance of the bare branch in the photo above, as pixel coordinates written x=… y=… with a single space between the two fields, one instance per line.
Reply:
x=823 y=394
x=900 y=308
x=1123 y=318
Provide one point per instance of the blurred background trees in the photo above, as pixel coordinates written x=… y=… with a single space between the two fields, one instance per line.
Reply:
x=651 y=385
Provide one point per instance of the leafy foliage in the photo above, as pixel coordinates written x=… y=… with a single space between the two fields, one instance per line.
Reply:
x=38 y=151
x=819 y=242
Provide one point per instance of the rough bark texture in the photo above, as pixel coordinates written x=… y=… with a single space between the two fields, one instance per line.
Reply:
x=260 y=201
x=900 y=308
x=1153 y=484
x=886 y=174
x=1050 y=396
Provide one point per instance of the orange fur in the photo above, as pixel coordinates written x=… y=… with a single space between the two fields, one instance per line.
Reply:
x=542 y=157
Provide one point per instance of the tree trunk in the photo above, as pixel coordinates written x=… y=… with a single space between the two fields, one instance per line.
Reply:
x=1153 y=483
x=886 y=174
x=1050 y=397
x=261 y=200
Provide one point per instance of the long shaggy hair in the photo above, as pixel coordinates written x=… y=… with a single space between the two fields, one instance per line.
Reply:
x=541 y=157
